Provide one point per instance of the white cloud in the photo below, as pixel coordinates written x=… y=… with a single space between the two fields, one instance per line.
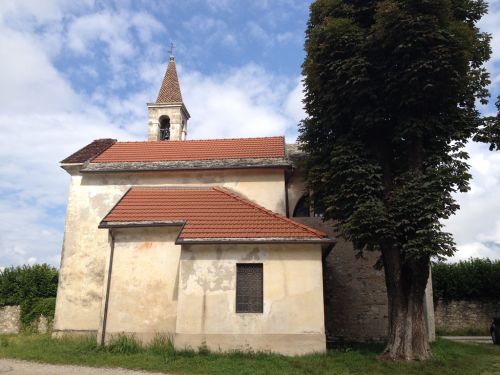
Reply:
x=242 y=102
x=475 y=250
x=29 y=80
x=293 y=103
x=116 y=30
x=478 y=220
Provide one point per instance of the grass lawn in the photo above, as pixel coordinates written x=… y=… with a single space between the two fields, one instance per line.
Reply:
x=448 y=358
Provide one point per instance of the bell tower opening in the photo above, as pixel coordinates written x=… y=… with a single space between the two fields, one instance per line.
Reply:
x=168 y=116
x=164 y=123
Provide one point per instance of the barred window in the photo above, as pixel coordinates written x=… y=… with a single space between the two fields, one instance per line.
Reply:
x=249 y=288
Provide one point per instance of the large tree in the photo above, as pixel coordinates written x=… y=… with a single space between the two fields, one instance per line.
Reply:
x=390 y=91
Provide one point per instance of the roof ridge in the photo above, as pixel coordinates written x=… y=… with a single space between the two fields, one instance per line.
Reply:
x=272 y=213
x=155 y=187
x=203 y=140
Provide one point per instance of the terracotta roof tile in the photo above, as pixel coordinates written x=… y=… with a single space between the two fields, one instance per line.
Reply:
x=90 y=151
x=210 y=149
x=208 y=213
x=170 y=91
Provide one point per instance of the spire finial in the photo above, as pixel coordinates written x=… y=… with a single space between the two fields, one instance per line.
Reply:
x=172 y=46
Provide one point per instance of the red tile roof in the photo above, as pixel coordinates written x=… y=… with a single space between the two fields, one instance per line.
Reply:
x=208 y=213
x=90 y=151
x=210 y=149
x=170 y=91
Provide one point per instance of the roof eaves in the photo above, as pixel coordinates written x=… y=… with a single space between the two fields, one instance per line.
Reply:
x=315 y=232
x=187 y=165
x=246 y=240
x=136 y=224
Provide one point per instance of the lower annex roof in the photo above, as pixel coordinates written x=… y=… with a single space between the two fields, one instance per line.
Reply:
x=207 y=214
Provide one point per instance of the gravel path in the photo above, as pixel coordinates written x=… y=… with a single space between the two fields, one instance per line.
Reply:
x=15 y=367
x=476 y=339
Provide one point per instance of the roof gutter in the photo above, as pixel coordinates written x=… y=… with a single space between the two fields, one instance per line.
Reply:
x=209 y=241
x=139 y=224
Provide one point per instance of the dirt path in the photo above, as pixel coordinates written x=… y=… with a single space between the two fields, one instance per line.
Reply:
x=15 y=367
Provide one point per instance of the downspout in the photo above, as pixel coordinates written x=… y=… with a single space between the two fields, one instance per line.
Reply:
x=108 y=286
x=287 y=209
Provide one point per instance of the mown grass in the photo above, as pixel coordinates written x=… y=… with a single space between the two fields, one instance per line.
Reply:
x=160 y=356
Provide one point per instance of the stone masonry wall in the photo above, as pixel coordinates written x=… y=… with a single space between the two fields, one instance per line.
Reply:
x=355 y=293
x=458 y=315
x=9 y=319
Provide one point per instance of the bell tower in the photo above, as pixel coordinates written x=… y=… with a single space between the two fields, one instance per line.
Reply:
x=168 y=116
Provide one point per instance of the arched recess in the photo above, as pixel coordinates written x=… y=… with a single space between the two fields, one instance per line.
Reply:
x=164 y=122
x=302 y=208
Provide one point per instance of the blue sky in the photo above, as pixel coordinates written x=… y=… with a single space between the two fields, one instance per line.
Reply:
x=73 y=71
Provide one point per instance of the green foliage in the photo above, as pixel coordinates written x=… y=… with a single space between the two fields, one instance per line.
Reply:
x=124 y=344
x=22 y=283
x=33 y=287
x=467 y=280
x=31 y=309
x=390 y=91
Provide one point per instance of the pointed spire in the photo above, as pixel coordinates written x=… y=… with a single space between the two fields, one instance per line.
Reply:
x=170 y=91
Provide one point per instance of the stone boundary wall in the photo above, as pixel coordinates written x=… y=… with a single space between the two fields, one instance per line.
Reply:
x=9 y=319
x=456 y=315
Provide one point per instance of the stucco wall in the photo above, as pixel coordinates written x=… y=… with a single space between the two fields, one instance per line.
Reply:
x=85 y=247
x=355 y=292
x=292 y=321
x=144 y=278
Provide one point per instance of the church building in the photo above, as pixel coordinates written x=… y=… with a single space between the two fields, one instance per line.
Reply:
x=211 y=242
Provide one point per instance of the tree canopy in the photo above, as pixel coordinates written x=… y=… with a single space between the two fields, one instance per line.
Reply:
x=390 y=92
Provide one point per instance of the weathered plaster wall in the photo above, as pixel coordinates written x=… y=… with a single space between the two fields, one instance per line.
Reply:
x=144 y=279
x=296 y=189
x=9 y=319
x=292 y=321
x=355 y=293
x=459 y=315
x=85 y=247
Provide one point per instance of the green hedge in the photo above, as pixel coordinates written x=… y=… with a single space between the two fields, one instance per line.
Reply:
x=34 y=288
x=466 y=280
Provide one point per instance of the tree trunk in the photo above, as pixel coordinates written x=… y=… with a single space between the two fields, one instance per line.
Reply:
x=406 y=283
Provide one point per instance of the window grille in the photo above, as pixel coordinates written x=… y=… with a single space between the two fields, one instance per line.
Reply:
x=249 y=288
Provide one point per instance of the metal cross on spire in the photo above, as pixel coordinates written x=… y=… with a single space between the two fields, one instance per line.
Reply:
x=172 y=46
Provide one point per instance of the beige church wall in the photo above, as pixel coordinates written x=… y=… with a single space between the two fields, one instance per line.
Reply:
x=296 y=188
x=85 y=247
x=292 y=321
x=83 y=257
x=144 y=277
x=265 y=187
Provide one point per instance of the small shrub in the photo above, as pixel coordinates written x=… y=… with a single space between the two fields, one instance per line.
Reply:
x=32 y=309
x=124 y=344
x=203 y=349
x=34 y=288
x=162 y=344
